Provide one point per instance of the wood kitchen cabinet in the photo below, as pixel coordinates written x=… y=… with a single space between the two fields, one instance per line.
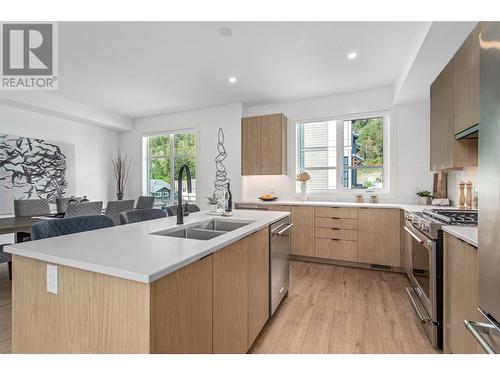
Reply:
x=263 y=145
x=230 y=301
x=302 y=237
x=181 y=310
x=454 y=106
x=379 y=234
x=257 y=249
x=466 y=82
x=460 y=295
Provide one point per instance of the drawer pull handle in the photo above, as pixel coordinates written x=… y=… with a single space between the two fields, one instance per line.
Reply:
x=335 y=228
x=335 y=239
x=335 y=218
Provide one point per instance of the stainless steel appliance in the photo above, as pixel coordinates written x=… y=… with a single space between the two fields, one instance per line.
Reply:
x=279 y=259
x=425 y=238
x=487 y=333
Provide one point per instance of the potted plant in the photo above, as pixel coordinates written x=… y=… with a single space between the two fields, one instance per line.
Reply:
x=303 y=177
x=424 y=197
x=212 y=202
x=121 y=168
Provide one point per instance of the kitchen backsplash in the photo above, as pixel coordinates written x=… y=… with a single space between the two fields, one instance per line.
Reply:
x=454 y=178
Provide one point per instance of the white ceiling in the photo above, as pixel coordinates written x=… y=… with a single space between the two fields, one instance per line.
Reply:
x=137 y=69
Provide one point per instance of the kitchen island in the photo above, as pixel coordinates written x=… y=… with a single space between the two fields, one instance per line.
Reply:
x=136 y=289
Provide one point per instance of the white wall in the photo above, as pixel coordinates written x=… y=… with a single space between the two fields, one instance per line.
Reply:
x=413 y=171
x=207 y=121
x=93 y=147
x=409 y=134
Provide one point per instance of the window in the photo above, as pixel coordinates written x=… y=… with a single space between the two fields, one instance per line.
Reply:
x=164 y=155
x=343 y=154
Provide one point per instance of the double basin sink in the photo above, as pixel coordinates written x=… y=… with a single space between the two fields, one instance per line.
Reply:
x=204 y=231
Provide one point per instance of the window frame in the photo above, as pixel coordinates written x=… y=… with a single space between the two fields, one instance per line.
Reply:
x=340 y=189
x=146 y=153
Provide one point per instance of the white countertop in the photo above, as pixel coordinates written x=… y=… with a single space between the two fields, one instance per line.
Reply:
x=403 y=206
x=467 y=234
x=132 y=252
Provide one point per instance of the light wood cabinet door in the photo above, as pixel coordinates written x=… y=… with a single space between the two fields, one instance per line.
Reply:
x=466 y=83
x=273 y=152
x=336 y=249
x=442 y=135
x=251 y=144
x=460 y=295
x=257 y=249
x=230 y=300
x=302 y=237
x=181 y=310
x=379 y=232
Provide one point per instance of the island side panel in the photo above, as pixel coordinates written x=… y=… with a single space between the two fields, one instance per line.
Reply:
x=92 y=313
x=181 y=310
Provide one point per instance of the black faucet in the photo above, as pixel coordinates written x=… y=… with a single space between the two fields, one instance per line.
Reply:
x=180 y=213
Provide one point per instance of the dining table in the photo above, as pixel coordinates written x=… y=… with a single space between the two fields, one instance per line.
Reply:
x=19 y=226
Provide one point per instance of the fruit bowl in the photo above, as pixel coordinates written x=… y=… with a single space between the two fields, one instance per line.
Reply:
x=267 y=198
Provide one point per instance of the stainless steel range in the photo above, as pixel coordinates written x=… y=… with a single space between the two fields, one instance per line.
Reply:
x=424 y=235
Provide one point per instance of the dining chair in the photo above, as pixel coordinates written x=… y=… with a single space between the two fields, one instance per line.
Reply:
x=6 y=258
x=62 y=203
x=114 y=208
x=144 y=214
x=145 y=202
x=172 y=210
x=61 y=227
x=27 y=208
x=31 y=207
x=83 y=209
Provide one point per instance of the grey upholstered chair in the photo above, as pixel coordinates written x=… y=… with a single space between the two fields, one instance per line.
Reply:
x=145 y=202
x=61 y=227
x=114 y=208
x=134 y=216
x=6 y=258
x=31 y=207
x=172 y=210
x=83 y=209
x=62 y=203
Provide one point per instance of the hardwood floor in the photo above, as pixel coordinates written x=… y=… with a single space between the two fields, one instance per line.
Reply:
x=335 y=309
x=330 y=309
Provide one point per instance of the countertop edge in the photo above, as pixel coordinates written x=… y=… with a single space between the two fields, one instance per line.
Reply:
x=135 y=276
x=458 y=232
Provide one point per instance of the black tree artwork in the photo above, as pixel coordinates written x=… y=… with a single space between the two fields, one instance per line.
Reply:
x=34 y=167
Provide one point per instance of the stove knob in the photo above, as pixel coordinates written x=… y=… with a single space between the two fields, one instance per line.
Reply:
x=424 y=227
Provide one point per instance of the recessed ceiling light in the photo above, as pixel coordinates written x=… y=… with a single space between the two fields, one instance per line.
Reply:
x=225 y=31
x=352 y=55
x=232 y=79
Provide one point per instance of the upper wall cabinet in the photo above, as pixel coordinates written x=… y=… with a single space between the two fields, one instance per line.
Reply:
x=455 y=107
x=466 y=83
x=263 y=145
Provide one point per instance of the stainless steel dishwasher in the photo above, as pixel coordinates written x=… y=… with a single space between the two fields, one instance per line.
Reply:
x=279 y=257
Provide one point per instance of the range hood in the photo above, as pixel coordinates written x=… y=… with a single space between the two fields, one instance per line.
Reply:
x=471 y=133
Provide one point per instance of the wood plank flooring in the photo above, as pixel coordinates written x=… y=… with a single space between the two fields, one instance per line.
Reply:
x=335 y=309
x=330 y=309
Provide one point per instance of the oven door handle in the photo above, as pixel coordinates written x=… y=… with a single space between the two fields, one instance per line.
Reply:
x=413 y=299
x=476 y=328
x=426 y=243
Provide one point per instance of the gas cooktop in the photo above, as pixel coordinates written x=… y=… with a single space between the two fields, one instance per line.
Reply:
x=454 y=217
x=429 y=221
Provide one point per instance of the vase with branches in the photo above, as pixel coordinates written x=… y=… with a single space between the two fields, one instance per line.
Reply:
x=121 y=168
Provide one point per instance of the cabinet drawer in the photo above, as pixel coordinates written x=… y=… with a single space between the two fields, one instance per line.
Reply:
x=337 y=212
x=336 y=249
x=335 y=233
x=328 y=222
